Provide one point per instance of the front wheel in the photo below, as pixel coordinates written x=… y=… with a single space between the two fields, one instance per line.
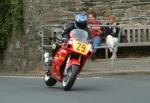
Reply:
x=70 y=77
x=49 y=81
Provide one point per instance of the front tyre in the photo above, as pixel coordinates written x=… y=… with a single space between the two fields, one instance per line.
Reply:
x=49 y=81
x=70 y=77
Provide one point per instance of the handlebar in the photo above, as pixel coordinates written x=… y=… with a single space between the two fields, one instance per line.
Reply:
x=61 y=39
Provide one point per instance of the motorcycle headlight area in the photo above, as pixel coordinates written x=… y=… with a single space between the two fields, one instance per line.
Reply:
x=70 y=42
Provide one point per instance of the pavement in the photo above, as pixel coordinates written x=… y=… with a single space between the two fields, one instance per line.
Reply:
x=104 y=67
x=118 y=66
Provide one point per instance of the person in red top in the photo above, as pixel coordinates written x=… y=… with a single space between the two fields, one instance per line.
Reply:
x=95 y=31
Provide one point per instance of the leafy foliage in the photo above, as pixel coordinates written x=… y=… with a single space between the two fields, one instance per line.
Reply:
x=11 y=19
x=17 y=15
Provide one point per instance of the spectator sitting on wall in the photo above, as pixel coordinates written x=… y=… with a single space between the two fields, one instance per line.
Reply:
x=111 y=33
x=95 y=31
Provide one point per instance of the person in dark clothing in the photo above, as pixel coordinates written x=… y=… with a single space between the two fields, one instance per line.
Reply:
x=112 y=33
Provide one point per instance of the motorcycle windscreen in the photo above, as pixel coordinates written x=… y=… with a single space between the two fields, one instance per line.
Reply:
x=80 y=42
x=80 y=35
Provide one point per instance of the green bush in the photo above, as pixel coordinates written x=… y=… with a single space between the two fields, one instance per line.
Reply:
x=11 y=20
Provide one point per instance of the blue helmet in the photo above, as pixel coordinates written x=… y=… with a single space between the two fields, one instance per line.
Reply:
x=81 y=21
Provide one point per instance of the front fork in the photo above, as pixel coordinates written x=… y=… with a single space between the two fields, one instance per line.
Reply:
x=70 y=62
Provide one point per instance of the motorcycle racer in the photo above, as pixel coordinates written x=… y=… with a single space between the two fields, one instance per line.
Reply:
x=80 y=22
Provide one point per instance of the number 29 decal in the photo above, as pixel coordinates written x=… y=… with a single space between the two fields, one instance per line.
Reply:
x=81 y=47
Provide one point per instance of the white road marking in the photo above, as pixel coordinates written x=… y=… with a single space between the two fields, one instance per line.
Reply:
x=20 y=77
x=39 y=77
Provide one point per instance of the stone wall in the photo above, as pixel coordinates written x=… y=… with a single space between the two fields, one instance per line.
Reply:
x=24 y=52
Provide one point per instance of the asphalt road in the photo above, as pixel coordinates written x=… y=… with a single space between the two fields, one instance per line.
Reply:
x=123 y=89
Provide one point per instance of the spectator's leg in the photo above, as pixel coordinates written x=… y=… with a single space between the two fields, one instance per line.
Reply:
x=115 y=42
x=96 y=42
x=110 y=42
x=114 y=48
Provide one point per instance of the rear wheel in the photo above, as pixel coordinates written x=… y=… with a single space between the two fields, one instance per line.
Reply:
x=70 y=77
x=49 y=81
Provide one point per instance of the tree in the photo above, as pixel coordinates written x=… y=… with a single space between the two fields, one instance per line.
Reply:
x=11 y=18
x=5 y=23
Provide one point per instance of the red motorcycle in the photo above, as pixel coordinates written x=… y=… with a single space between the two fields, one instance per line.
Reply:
x=69 y=60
